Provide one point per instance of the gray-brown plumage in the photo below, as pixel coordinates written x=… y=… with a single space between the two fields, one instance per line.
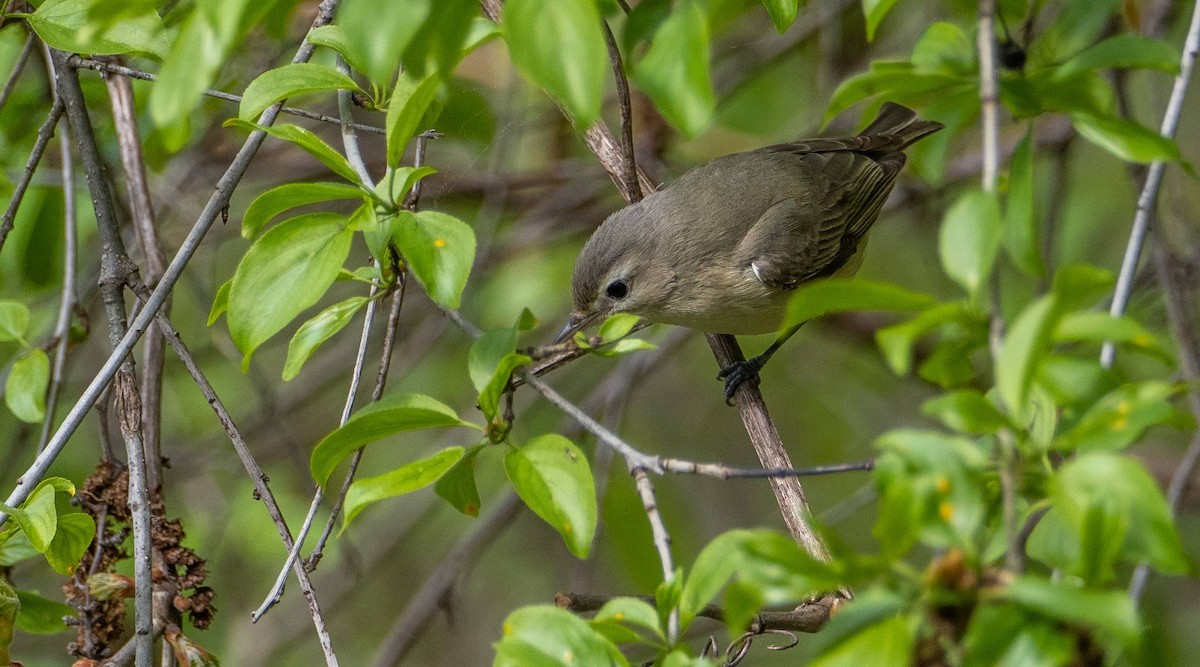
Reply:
x=722 y=248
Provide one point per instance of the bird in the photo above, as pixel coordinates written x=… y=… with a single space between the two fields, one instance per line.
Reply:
x=723 y=248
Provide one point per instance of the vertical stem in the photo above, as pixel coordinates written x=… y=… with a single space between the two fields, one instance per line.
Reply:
x=116 y=269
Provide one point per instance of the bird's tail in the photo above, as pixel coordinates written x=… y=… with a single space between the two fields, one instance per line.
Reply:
x=900 y=126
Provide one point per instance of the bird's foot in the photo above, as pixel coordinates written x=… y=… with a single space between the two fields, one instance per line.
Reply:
x=739 y=372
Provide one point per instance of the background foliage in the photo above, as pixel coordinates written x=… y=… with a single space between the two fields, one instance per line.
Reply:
x=946 y=411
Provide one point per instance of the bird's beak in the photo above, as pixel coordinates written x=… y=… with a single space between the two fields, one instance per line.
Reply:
x=576 y=322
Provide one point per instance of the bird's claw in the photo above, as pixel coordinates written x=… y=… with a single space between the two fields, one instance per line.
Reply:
x=737 y=373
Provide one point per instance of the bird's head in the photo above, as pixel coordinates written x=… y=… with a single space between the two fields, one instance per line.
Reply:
x=618 y=271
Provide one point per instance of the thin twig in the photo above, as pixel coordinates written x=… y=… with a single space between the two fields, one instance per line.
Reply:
x=349 y=136
x=258 y=477
x=142 y=211
x=805 y=618
x=1148 y=198
x=10 y=84
x=115 y=271
x=66 y=303
x=389 y=342
x=989 y=98
x=99 y=66
x=662 y=543
x=629 y=174
x=35 y=156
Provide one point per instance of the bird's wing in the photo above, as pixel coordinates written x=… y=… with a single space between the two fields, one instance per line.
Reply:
x=812 y=236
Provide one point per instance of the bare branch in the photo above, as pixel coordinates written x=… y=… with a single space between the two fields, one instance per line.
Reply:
x=100 y=66
x=142 y=209
x=116 y=269
x=1148 y=198
x=11 y=83
x=662 y=542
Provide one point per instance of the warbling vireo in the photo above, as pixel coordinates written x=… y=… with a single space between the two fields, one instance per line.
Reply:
x=723 y=247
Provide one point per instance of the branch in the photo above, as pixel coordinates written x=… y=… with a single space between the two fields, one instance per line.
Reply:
x=1148 y=198
x=806 y=618
x=258 y=478
x=116 y=269
x=142 y=210
x=662 y=543
x=100 y=66
x=66 y=302
x=11 y=83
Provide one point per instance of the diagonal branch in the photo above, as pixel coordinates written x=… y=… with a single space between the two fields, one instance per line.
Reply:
x=1148 y=198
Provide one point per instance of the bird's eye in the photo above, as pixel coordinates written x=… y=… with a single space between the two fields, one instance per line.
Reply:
x=617 y=289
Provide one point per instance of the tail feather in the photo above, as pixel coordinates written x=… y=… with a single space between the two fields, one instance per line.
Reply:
x=901 y=125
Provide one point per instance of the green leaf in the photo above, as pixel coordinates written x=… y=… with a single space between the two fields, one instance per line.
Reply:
x=1008 y=636
x=617 y=326
x=1022 y=348
x=409 y=102
x=1080 y=286
x=317 y=330
x=398 y=182
x=896 y=341
x=394 y=414
x=887 y=643
x=457 y=485
x=840 y=295
x=1120 y=418
x=405 y=479
x=14 y=320
x=64 y=25
x=287 y=270
x=220 y=302
x=944 y=48
x=378 y=33
x=546 y=636
x=675 y=70
x=37 y=517
x=25 y=388
x=874 y=11
x=439 y=248
x=1022 y=236
x=71 y=540
x=1095 y=327
x=630 y=612
x=491 y=362
x=205 y=37
x=14 y=546
x=333 y=37
x=783 y=13
x=970 y=239
x=966 y=411
x=1121 y=486
x=309 y=142
x=1109 y=612
x=560 y=47
x=1125 y=139
x=283 y=82
x=894 y=80
x=554 y=479
x=1075 y=381
x=1126 y=50
x=871 y=607
x=768 y=568
x=933 y=485
x=42 y=616
x=288 y=196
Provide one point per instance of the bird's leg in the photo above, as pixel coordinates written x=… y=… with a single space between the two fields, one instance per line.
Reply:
x=741 y=371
